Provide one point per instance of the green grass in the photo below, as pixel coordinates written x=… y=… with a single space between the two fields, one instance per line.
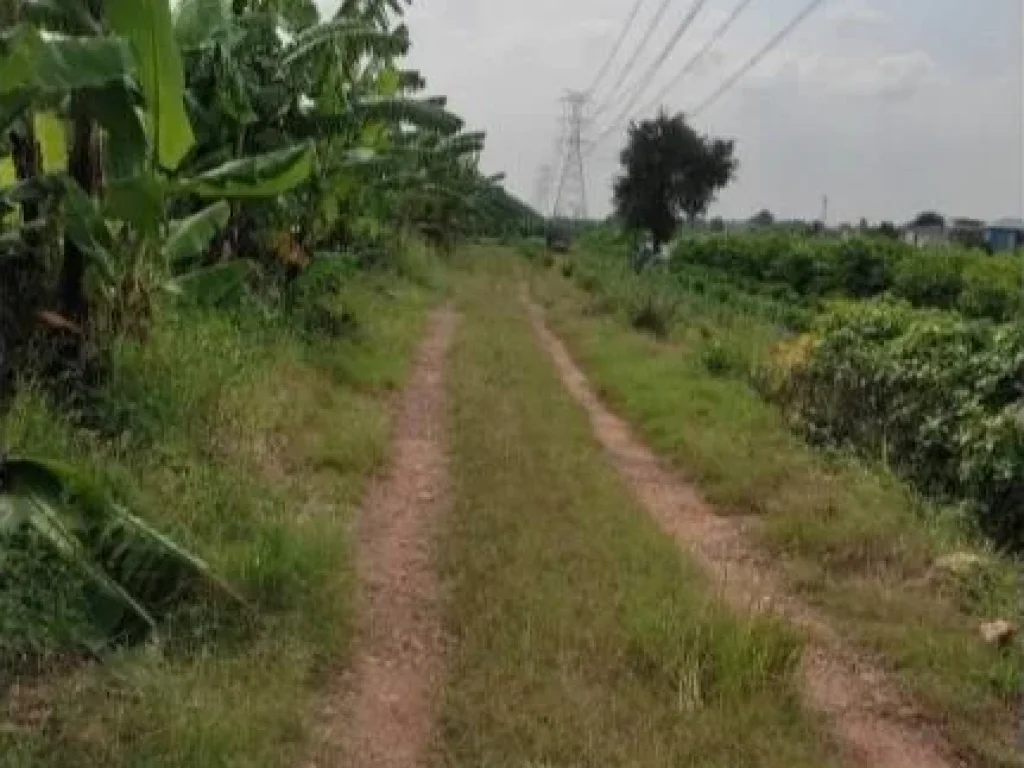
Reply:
x=581 y=635
x=252 y=446
x=851 y=538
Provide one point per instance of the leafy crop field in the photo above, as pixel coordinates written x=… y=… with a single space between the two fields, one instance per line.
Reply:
x=717 y=380
x=972 y=283
x=933 y=394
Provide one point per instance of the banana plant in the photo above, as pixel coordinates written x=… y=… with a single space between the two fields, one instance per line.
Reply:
x=118 y=72
x=133 y=574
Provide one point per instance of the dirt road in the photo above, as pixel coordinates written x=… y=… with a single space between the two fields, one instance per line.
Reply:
x=875 y=723
x=382 y=714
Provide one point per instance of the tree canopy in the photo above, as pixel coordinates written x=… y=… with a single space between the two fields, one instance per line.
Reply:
x=670 y=171
x=929 y=219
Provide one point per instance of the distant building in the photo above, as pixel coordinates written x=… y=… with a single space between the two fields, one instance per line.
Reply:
x=926 y=236
x=1005 y=236
x=969 y=233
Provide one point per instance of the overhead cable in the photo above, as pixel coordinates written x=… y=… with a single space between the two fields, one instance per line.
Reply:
x=626 y=27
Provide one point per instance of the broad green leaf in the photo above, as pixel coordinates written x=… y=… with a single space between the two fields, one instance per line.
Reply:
x=57 y=64
x=68 y=15
x=197 y=23
x=213 y=286
x=114 y=107
x=234 y=95
x=189 y=238
x=35 y=189
x=38 y=498
x=135 y=572
x=355 y=37
x=51 y=133
x=374 y=137
x=12 y=105
x=411 y=80
x=316 y=126
x=148 y=25
x=8 y=174
x=422 y=113
x=390 y=82
x=138 y=200
x=88 y=229
x=261 y=176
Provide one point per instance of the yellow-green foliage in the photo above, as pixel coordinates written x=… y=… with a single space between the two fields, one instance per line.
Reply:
x=51 y=133
x=251 y=446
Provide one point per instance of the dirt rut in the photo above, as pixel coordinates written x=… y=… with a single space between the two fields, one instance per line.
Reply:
x=875 y=724
x=382 y=713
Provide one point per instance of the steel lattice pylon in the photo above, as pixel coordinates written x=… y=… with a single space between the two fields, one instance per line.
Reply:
x=571 y=197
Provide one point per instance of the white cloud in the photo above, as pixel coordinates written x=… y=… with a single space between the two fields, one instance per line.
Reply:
x=854 y=15
x=890 y=76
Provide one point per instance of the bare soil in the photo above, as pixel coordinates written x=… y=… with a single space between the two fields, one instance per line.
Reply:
x=381 y=713
x=875 y=723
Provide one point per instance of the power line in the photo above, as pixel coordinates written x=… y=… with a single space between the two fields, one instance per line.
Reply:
x=738 y=74
x=717 y=35
x=757 y=57
x=687 y=68
x=628 y=68
x=628 y=25
x=652 y=70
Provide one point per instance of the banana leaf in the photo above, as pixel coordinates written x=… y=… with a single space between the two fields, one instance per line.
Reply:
x=262 y=176
x=134 y=574
x=57 y=64
x=189 y=238
x=148 y=25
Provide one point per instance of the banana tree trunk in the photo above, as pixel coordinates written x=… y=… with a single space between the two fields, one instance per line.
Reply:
x=84 y=168
x=25 y=153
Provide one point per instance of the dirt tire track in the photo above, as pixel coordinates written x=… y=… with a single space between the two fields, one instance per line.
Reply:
x=381 y=715
x=876 y=724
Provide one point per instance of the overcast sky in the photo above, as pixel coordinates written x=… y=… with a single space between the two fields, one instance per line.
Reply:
x=889 y=107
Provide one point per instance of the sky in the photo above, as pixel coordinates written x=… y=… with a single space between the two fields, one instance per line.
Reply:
x=888 y=107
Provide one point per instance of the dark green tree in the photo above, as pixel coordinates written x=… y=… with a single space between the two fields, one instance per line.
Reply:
x=670 y=171
x=764 y=218
x=929 y=219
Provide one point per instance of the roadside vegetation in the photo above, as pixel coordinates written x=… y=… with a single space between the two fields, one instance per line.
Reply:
x=802 y=269
x=701 y=363
x=581 y=634
x=250 y=443
x=220 y=229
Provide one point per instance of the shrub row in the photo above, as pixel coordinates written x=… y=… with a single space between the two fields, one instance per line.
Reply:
x=971 y=282
x=939 y=398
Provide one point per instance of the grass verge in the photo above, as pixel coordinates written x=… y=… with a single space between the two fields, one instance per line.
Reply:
x=581 y=635
x=852 y=539
x=250 y=443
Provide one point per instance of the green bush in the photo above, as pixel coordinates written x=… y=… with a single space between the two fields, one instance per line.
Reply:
x=926 y=280
x=813 y=268
x=992 y=287
x=314 y=302
x=937 y=398
x=652 y=312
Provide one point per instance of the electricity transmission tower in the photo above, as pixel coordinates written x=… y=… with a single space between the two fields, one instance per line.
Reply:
x=571 y=197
